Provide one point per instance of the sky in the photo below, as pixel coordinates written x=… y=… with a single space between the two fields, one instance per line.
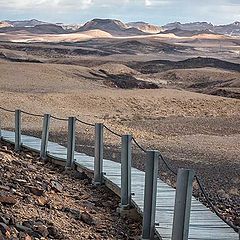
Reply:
x=157 y=12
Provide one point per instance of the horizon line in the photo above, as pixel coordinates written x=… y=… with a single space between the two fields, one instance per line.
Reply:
x=132 y=21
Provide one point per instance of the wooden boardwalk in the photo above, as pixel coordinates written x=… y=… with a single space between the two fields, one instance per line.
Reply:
x=204 y=225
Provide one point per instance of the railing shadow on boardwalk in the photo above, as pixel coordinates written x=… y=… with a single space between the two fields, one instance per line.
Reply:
x=167 y=213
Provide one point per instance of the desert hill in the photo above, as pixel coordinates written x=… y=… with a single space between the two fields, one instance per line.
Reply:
x=186 y=33
x=145 y=27
x=4 y=24
x=114 y=27
x=26 y=23
x=119 y=29
x=38 y=29
x=228 y=29
x=199 y=62
x=199 y=26
x=70 y=27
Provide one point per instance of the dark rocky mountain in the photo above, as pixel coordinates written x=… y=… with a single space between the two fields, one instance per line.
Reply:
x=114 y=27
x=228 y=29
x=195 y=26
x=26 y=23
x=118 y=28
x=39 y=29
x=186 y=33
x=232 y=29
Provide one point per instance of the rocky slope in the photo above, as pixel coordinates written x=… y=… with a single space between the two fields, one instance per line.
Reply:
x=40 y=201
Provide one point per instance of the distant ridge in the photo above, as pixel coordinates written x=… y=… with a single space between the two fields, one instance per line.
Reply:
x=145 y=27
x=232 y=29
x=114 y=27
x=4 y=24
x=187 y=33
x=26 y=23
x=38 y=29
x=194 y=26
x=229 y=29
x=118 y=28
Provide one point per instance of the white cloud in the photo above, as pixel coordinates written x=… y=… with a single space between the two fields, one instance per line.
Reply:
x=156 y=11
x=26 y=4
x=149 y=3
x=83 y=3
x=86 y=4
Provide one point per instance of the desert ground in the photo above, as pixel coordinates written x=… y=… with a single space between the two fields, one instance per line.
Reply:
x=43 y=201
x=180 y=95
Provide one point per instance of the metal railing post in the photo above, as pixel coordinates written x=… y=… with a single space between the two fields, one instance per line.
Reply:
x=126 y=163
x=150 y=194
x=18 y=130
x=45 y=134
x=98 y=159
x=0 y=126
x=71 y=142
x=182 y=207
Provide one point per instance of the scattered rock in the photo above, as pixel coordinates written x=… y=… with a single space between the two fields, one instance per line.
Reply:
x=56 y=186
x=36 y=191
x=4 y=219
x=41 y=229
x=20 y=181
x=5 y=188
x=80 y=175
x=237 y=221
x=222 y=194
x=6 y=231
x=8 y=199
x=42 y=201
x=25 y=229
x=37 y=186
x=55 y=233
x=24 y=236
x=87 y=218
x=74 y=213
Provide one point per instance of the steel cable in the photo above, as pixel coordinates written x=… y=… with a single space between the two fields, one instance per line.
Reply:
x=32 y=114
x=7 y=110
x=111 y=131
x=212 y=206
x=138 y=145
x=167 y=164
x=119 y=135
x=204 y=194
x=60 y=119
x=86 y=123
